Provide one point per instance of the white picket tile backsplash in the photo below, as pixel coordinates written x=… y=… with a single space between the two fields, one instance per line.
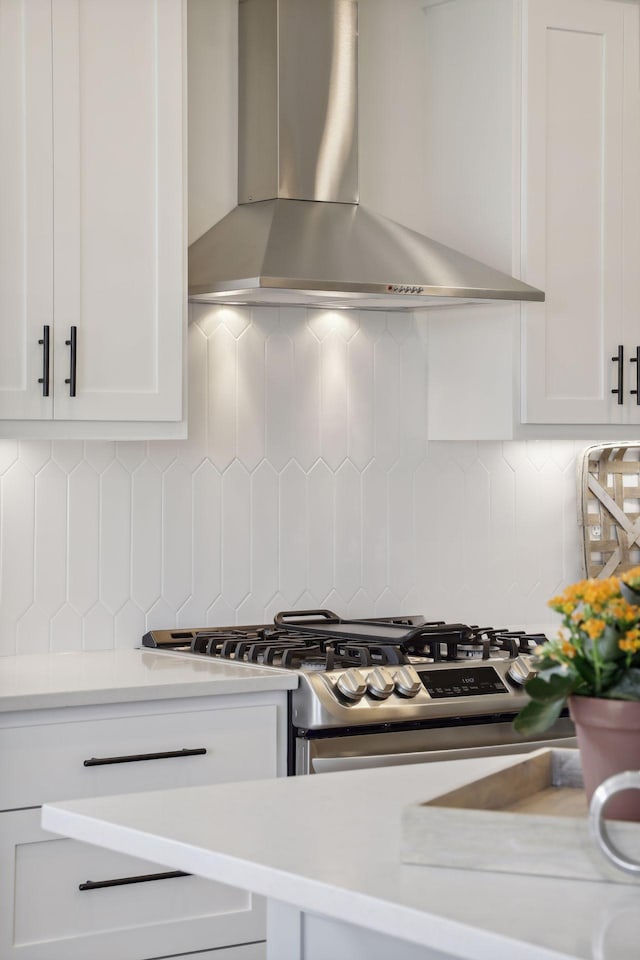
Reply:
x=83 y=538
x=306 y=481
x=17 y=553
x=146 y=535
x=177 y=525
x=320 y=521
x=291 y=529
x=115 y=536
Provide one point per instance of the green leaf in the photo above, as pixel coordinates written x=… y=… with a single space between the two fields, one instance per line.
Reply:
x=536 y=717
x=628 y=688
x=555 y=686
x=610 y=671
x=608 y=644
x=585 y=672
x=546 y=663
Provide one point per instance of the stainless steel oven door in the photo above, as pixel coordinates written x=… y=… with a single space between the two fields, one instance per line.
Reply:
x=383 y=749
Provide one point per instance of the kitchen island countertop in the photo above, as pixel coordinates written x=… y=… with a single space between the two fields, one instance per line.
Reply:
x=43 y=680
x=329 y=846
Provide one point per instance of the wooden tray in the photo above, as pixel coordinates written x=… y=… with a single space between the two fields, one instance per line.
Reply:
x=531 y=818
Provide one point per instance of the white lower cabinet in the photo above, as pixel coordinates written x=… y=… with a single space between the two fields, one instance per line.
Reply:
x=65 y=759
x=65 y=900
x=51 y=910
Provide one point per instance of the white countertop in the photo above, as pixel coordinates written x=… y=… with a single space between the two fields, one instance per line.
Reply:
x=330 y=844
x=42 y=680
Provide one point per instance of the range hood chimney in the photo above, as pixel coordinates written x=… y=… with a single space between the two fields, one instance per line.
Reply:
x=298 y=234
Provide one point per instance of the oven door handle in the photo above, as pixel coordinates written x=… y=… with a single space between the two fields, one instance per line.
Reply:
x=333 y=764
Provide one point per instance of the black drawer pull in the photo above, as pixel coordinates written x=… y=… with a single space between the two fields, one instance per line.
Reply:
x=134 y=758
x=636 y=360
x=72 y=343
x=46 y=348
x=123 y=881
x=619 y=360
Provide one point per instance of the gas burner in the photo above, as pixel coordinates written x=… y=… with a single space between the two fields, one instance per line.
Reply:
x=361 y=653
x=212 y=641
x=516 y=642
x=484 y=643
x=442 y=641
x=261 y=647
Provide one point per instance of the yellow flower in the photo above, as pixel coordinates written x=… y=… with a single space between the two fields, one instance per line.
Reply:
x=619 y=609
x=594 y=628
x=594 y=593
x=631 y=641
x=598 y=593
x=562 y=604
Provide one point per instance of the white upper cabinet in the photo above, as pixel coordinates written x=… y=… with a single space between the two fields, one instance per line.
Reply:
x=631 y=215
x=570 y=134
x=93 y=239
x=572 y=211
x=26 y=205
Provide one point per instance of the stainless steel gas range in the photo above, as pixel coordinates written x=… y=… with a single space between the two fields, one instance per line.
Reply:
x=383 y=691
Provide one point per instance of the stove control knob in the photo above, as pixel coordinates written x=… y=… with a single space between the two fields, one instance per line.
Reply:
x=380 y=683
x=520 y=670
x=351 y=685
x=407 y=682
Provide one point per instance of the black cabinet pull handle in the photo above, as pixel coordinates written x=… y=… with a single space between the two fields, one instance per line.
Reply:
x=72 y=343
x=135 y=758
x=45 y=344
x=123 y=881
x=619 y=360
x=636 y=393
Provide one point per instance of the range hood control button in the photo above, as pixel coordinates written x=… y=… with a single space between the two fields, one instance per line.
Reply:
x=351 y=685
x=380 y=683
x=407 y=683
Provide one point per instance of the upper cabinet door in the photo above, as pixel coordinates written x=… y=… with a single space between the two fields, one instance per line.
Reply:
x=26 y=207
x=119 y=201
x=573 y=210
x=631 y=211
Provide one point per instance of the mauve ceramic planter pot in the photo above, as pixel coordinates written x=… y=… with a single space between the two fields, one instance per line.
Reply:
x=608 y=734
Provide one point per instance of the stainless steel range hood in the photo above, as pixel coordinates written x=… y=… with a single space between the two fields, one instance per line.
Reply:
x=299 y=235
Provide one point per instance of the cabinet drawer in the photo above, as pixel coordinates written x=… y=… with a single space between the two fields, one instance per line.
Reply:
x=127 y=754
x=45 y=916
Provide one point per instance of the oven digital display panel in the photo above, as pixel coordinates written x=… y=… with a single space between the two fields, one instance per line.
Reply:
x=459 y=682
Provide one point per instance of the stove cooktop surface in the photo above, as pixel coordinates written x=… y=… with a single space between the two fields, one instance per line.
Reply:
x=320 y=640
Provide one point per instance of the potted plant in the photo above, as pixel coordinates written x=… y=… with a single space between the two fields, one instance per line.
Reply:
x=593 y=666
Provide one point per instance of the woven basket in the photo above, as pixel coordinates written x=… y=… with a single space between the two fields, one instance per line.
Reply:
x=609 y=508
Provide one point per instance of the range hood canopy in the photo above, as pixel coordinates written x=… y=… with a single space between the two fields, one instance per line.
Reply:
x=298 y=234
